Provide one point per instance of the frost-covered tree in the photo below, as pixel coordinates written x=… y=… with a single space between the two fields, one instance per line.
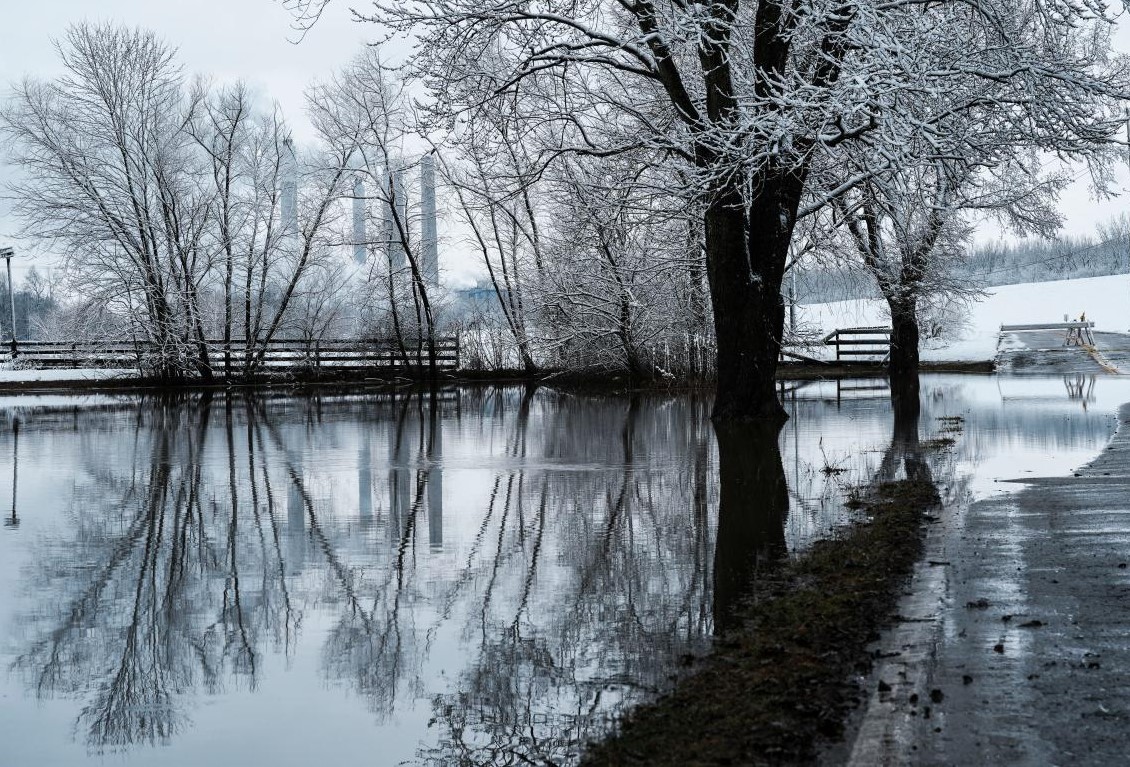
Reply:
x=975 y=149
x=162 y=198
x=109 y=179
x=364 y=113
x=617 y=279
x=746 y=96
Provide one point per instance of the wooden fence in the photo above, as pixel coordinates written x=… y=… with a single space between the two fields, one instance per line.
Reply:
x=874 y=342
x=278 y=355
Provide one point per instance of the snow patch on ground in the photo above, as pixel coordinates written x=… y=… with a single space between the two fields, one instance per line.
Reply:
x=1105 y=300
x=8 y=374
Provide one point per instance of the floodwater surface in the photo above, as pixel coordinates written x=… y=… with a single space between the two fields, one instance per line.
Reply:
x=489 y=577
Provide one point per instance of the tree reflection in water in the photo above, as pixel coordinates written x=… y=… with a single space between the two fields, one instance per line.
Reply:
x=575 y=569
x=215 y=541
x=554 y=660
x=205 y=546
x=752 y=510
x=150 y=590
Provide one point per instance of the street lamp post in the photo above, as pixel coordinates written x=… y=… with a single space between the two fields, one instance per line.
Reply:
x=6 y=254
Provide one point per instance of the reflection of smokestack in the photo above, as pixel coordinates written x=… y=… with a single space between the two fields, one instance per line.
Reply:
x=429 y=239
x=399 y=483
x=295 y=527
x=435 y=482
x=289 y=199
x=365 y=484
x=358 y=220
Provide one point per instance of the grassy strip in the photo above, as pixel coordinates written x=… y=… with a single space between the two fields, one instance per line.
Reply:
x=769 y=692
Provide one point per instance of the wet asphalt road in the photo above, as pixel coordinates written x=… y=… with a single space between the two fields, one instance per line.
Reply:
x=1033 y=660
x=1043 y=352
x=1014 y=648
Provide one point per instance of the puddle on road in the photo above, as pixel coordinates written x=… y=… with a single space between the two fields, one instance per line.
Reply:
x=492 y=577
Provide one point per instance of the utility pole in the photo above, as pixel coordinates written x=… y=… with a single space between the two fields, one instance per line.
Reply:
x=6 y=254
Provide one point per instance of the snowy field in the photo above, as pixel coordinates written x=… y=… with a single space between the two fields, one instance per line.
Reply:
x=1105 y=300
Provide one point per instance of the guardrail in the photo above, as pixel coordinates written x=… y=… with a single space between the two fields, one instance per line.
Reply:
x=1079 y=333
x=861 y=342
x=277 y=355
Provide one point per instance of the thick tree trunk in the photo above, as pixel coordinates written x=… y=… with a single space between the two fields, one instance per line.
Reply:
x=903 y=364
x=905 y=389
x=749 y=313
x=529 y=367
x=753 y=505
x=746 y=252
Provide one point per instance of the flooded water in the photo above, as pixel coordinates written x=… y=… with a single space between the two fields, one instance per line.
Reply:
x=490 y=577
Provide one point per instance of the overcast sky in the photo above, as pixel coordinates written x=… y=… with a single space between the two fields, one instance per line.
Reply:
x=250 y=40
x=226 y=39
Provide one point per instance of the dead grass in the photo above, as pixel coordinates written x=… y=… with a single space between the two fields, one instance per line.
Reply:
x=772 y=691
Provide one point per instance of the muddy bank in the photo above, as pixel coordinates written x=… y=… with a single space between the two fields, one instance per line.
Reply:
x=776 y=688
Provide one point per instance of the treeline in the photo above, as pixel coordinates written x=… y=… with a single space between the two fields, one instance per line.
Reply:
x=1065 y=258
x=1000 y=263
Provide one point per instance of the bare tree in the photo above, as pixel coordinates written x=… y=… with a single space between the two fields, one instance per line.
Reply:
x=745 y=96
x=494 y=197
x=157 y=197
x=111 y=181
x=218 y=123
x=364 y=114
x=265 y=255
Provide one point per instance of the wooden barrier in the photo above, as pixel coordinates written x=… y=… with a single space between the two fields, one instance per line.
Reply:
x=277 y=355
x=1078 y=333
x=860 y=342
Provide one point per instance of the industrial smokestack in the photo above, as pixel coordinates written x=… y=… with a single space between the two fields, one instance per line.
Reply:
x=401 y=205
x=288 y=169
x=358 y=220
x=390 y=235
x=429 y=238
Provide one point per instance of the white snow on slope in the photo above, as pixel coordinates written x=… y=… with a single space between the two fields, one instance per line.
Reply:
x=1105 y=300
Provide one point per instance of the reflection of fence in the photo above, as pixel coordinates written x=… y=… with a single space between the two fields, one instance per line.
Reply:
x=277 y=355
x=874 y=342
x=1080 y=387
x=1078 y=333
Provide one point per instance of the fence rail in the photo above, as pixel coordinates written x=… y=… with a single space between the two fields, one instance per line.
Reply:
x=1078 y=333
x=871 y=342
x=1047 y=326
x=277 y=355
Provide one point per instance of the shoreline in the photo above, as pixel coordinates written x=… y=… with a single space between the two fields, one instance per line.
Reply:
x=605 y=383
